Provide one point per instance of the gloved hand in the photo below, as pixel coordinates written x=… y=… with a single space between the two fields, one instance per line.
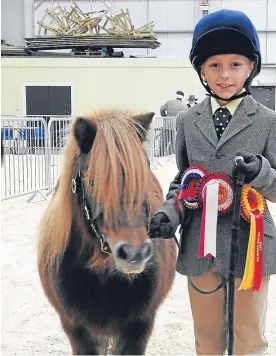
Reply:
x=160 y=227
x=250 y=167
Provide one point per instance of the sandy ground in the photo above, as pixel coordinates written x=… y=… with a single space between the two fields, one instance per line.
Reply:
x=30 y=325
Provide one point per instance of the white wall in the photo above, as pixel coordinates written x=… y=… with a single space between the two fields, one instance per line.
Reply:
x=136 y=84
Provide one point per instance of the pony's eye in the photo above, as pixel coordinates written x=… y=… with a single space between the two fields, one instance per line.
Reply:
x=100 y=219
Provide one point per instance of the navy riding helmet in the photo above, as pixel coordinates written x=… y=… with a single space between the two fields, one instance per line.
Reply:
x=225 y=32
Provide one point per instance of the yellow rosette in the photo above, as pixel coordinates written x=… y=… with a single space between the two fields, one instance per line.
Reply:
x=253 y=206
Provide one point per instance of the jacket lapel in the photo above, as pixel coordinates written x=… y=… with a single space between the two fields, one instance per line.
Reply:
x=205 y=121
x=240 y=120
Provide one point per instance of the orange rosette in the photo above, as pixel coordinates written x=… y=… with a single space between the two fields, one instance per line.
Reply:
x=253 y=206
x=251 y=201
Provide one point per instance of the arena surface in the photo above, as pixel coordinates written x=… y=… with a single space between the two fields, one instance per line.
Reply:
x=31 y=327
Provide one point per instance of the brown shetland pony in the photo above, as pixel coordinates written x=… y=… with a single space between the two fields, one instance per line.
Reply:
x=99 y=269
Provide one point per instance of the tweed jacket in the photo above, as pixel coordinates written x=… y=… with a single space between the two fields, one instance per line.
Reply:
x=251 y=129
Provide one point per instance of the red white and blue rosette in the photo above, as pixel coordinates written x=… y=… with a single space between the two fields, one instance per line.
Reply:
x=216 y=195
x=188 y=187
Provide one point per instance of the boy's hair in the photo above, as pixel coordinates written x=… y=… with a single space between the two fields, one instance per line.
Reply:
x=226 y=32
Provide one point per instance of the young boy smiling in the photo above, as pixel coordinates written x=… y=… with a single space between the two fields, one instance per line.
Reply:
x=226 y=55
x=226 y=74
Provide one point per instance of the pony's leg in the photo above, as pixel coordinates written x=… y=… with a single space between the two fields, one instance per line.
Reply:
x=132 y=339
x=82 y=342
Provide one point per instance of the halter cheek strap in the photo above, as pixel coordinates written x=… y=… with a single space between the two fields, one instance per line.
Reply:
x=77 y=186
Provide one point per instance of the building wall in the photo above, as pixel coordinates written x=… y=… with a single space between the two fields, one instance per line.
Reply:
x=12 y=21
x=174 y=20
x=138 y=84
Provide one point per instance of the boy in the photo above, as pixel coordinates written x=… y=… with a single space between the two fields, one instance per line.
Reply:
x=226 y=55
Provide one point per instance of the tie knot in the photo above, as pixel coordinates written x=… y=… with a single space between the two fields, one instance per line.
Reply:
x=222 y=112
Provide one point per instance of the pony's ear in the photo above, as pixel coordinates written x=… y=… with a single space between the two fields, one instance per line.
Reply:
x=145 y=121
x=85 y=133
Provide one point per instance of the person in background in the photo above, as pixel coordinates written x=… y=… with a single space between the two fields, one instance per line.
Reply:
x=172 y=107
x=169 y=110
x=192 y=101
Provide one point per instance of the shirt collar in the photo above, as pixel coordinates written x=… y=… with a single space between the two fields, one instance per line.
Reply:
x=231 y=106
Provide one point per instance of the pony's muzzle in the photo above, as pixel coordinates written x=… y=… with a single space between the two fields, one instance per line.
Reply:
x=130 y=259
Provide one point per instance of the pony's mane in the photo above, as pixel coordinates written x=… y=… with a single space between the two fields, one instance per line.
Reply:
x=117 y=148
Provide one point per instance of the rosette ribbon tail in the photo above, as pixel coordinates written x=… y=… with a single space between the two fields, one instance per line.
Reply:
x=208 y=231
x=259 y=256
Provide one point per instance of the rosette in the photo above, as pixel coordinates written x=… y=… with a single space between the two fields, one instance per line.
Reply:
x=187 y=192
x=225 y=190
x=216 y=195
x=253 y=206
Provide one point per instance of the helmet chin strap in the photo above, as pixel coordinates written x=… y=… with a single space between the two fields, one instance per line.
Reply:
x=246 y=86
x=233 y=97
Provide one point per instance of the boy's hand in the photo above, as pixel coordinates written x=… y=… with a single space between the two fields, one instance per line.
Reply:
x=251 y=166
x=160 y=227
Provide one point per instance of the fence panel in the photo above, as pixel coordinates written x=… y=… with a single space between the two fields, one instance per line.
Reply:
x=59 y=129
x=25 y=168
x=33 y=150
x=164 y=136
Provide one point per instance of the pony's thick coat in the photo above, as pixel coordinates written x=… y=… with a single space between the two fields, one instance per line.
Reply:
x=92 y=298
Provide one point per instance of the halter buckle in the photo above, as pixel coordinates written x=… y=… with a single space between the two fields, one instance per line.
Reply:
x=74 y=186
x=104 y=246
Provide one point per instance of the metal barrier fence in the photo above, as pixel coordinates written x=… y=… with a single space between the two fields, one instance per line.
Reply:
x=25 y=143
x=58 y=131
x=164 y=136
x=33 y=147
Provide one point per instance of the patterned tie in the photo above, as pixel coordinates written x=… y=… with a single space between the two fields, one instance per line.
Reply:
x=221 y=117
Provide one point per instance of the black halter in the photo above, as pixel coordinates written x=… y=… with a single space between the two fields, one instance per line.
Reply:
x=76 y=183
x=78 y=188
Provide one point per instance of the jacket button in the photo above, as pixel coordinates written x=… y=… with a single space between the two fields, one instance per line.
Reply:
x=219 y=155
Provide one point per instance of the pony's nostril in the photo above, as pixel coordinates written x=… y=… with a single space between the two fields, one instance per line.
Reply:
x=124 y=252
x=147 y=250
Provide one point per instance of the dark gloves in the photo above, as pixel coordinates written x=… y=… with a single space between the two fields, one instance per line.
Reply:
x=250 y=167
x=160 y=227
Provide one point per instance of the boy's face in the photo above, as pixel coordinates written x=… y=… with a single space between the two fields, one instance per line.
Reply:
x=226 y=73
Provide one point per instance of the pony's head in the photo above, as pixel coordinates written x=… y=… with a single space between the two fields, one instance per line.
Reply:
x=114 y=171
x=111 y=181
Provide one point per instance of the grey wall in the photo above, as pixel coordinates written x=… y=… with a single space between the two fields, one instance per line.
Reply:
x=12 y=21
x=174 y=20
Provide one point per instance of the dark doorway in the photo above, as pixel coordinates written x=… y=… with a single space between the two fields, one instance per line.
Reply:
x=264 y=95
x=48 y=100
